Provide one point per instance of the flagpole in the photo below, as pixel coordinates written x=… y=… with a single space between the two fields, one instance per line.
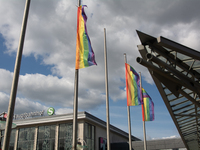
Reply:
x=143 y=115
x=144 y=130
x=75 y=109
x=129 y=118
x=107 y=94
x=15 y=79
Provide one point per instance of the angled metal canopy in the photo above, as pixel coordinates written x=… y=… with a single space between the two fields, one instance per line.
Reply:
x=175 y=70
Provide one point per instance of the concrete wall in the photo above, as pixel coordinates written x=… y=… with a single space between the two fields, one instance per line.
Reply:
x=80 y=131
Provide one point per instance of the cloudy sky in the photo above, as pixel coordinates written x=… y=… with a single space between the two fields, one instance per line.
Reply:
x=48 y=63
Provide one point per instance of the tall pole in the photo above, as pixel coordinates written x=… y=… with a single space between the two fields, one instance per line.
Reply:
x=15 y=79
x=107 y=95
x=75 y=110
x=129 y=118
x=143 y=115
x=144 y=130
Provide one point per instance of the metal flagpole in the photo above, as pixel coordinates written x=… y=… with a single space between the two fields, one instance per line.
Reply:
x=143 y=115
x=15 y=79
x=75 y=110
x=129 y=118
x=107 y=95
x=144 y=131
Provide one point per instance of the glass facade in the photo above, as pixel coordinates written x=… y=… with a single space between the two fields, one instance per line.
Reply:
x=46 y=138
x=65 y=136
x=1 y=141
x=25 y=139
x=89 y=136
x=12 y=139
x=50 y=137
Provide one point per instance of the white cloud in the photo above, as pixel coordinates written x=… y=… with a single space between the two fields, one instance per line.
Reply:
x=4 y=100
x=63 y=111
x=171 y=137
x=6 y=80
x=51 y=90
x=21 y=105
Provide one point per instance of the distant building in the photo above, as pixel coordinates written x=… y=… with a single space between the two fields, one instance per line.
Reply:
x=160 y=144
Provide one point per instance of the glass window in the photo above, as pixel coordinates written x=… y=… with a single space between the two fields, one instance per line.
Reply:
x=26 y=139
x=46 y=138
x=65 y=136
x=2 y=137
x=12 y=139
x=89 y=136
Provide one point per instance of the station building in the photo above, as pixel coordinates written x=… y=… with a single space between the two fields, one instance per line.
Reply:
x=55 y=133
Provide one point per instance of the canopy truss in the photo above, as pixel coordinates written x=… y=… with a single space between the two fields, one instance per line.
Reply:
x=175 y=70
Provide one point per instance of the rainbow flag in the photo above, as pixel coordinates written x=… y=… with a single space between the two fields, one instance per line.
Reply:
x=84 y=52
x=148 y=107
x=132 y=86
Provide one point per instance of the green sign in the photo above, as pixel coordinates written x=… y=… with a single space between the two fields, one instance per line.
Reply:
x=50 y=111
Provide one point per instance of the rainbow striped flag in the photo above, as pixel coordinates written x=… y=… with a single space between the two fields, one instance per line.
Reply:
x=132 y=86
x=148 y=106
x=84 y=52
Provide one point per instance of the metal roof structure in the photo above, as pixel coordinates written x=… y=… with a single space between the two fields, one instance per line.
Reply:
x=175 y=70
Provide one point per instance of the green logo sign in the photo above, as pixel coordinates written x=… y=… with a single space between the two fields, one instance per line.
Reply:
x=50 y=111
